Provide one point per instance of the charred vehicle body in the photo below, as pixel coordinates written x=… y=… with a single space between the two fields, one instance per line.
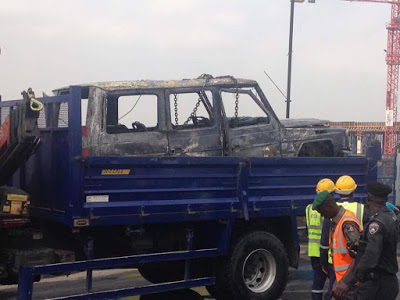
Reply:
x=221 y=116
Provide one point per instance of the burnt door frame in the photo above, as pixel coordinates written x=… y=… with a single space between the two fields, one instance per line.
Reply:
x=259 y=140
x=203 y=141
x=149 y=143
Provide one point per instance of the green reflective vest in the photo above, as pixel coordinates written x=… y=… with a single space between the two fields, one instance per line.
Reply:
x=314 y=226
x=356 y=208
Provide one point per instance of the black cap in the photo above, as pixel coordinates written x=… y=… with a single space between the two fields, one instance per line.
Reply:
x=379 y=189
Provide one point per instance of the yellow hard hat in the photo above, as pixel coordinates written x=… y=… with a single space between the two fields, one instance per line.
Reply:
x=325 y=185
x=345 y=185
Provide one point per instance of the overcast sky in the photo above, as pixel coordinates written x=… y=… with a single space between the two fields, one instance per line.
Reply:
x=339 y=69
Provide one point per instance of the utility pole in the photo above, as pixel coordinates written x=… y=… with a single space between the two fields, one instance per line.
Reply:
x=289 y=79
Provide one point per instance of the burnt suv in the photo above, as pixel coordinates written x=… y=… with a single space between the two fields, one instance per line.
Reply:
x=207 y=116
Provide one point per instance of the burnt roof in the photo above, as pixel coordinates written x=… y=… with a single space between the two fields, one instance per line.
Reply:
x=161 y=84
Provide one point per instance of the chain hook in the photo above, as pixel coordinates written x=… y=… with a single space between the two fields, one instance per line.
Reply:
x=35 y=104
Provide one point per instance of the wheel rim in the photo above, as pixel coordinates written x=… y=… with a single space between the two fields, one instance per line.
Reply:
x=259 y=271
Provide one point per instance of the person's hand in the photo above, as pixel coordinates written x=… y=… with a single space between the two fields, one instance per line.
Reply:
x=353 y=250
x=339 y=290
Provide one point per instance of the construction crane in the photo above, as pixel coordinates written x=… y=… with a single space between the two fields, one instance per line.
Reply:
x=393 y=61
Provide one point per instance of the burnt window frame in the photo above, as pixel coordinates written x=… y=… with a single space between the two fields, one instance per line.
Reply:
x=169 y=114
x=161 y=125
x=257 y=98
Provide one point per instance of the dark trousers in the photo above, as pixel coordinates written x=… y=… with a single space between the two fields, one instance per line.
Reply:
x=319 y=280
x=385 y=287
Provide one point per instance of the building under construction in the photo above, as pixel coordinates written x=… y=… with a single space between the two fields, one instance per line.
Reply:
x=364 y=134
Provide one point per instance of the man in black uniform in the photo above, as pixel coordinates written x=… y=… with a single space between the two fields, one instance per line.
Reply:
x=376 y=262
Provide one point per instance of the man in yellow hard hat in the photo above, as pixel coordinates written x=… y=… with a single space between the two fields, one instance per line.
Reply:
x=314 y=226
x=345 y=187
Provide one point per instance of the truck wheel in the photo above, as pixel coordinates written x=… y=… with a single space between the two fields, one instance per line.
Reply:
x=173 y=295
x=162 y=272
x=257 y=268
x=218 y=293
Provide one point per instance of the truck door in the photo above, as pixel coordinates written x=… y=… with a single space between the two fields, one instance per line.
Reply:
x=250 y=128
x=194 y=127
x=132 y=124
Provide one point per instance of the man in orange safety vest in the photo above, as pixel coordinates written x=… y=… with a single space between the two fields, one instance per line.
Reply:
x=344 y=234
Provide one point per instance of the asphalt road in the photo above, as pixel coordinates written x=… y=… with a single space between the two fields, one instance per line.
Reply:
x=299 y=285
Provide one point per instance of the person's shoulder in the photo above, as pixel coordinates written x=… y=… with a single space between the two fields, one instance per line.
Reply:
x=385 y=216
x=384 y=220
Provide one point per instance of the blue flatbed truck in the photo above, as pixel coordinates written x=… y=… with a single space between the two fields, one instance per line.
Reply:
x=227 y=223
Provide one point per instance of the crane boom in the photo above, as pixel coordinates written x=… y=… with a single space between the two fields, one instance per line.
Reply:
x=19 y=137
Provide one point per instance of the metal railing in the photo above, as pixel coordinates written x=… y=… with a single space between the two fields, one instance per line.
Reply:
x=26 y=274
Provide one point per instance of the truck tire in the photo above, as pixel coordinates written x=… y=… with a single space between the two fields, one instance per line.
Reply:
x=218 y=293
x=162 y=272
x=173 y=295
x=255 y=269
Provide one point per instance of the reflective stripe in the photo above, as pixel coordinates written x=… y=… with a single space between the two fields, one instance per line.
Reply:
x=315 y=227
x=341 y=268
x=341 y=249
x=317 y=291
x=358 y=214
x=314 y=241
x=324 y=247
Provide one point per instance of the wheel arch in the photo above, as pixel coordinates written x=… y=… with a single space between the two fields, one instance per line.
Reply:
x=324 y=148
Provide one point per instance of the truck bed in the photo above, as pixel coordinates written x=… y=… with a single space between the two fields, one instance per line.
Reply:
x=102 y=191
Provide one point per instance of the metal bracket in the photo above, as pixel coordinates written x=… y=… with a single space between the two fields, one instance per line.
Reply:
x=189 y=210
x=255 y=208
x=142 y=213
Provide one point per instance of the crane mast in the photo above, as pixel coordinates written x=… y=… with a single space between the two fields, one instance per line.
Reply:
x=393 y=61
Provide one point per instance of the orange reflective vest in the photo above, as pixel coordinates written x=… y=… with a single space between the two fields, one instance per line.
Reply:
x=340 y=255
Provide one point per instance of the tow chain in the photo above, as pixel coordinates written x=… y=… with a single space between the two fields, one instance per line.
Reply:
x=176 y=109
x=236 y=104
x=194 y=112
